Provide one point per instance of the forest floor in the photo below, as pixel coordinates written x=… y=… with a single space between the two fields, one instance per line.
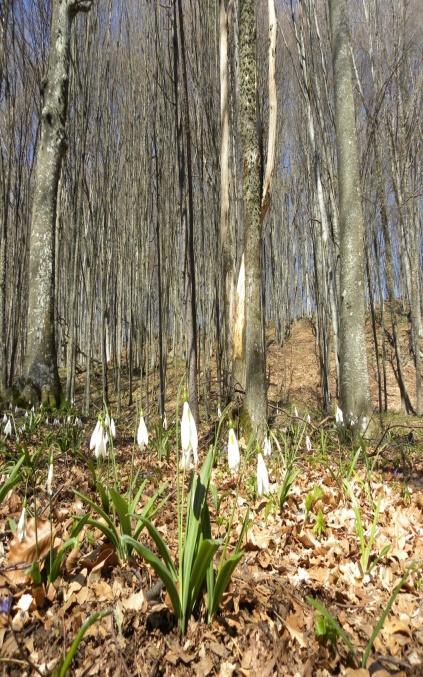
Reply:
x=308 y=548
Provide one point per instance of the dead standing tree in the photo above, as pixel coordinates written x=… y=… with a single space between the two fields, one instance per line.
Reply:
x=42 y=381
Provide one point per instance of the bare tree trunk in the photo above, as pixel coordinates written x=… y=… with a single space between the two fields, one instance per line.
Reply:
x=354 y=380
x=255 y=403
x=41 y=374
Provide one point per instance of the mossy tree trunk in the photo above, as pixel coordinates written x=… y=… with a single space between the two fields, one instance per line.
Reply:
x=42 y=381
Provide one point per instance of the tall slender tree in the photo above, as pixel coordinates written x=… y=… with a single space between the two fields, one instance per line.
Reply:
x=354 y=381
x=42 y=381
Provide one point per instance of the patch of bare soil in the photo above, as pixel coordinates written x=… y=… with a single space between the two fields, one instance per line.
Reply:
x=309 y=548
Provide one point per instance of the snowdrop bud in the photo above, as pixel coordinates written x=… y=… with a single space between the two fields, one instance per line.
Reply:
x=308 y=443
x=164 y=422
x=185 y=428
x=26 y=414
x=339 y=417
x=112 y=428
x=4 y=418
x=33 y=409
x=96 y=432
x=267 y=447
x=21 y=530
x=47 y=421
x=263 y=486
x=219 y=412
x=234 y=458
x=10 y=406
x=308 y=418
x=16 y=410
x=8 y=428
x=50 y=479
x=142 y=434
x=296 y=412
x=68 y=420
x=78 y=423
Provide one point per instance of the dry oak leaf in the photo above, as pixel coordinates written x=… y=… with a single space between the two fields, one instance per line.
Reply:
x=21 y=554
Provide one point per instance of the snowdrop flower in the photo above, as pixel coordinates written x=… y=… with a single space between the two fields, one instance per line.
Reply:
x=21 y=530
x=4 y=418
x=234 y=458
x=339 y=416
x=33 y=409
x=26 y=414
x=308 y=443
x=16 y=409
x=8 y=428
x=164 y=422
x=56 y=421
x=112 y=428
x=189 y=438
x=68 y=420
x=267 y=447
x=296 y=412
x=47 y=421
x=78 y=423
x=10 y=406
x=263 y=486
x=142 y=434
x=308 y=418
x=219 y=412
x=97 y=430
x=101 y=444
x=50 y=478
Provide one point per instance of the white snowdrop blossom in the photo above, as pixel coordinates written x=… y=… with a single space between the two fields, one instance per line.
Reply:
x=308 y=418
x=339 y=416
x=78 y=423
x=8 y=428
x=68 y=420
x=308 y=443
x=219 y=412
x=33 y=409
x=189 y=438
x=263 y=486
x=267 y=447
x=93 y=441
x=10 y=406
x=101 y=445
x=142 y=434
x=234 y=458
x=26 y=414
x=21 y=530
x=50 y=479
x=296 y=412
x=112 y=428
x=164 y=422
x=4 y=418
x=16 y=410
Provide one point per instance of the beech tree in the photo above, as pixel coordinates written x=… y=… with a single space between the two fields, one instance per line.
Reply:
x=354 y=380
x=42 y=381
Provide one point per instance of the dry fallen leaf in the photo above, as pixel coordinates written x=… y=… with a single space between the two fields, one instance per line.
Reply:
x=21 y=554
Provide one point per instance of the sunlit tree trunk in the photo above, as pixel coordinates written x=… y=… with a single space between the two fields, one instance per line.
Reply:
x=42 y=381
x=255 y=404
x=354 y=381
